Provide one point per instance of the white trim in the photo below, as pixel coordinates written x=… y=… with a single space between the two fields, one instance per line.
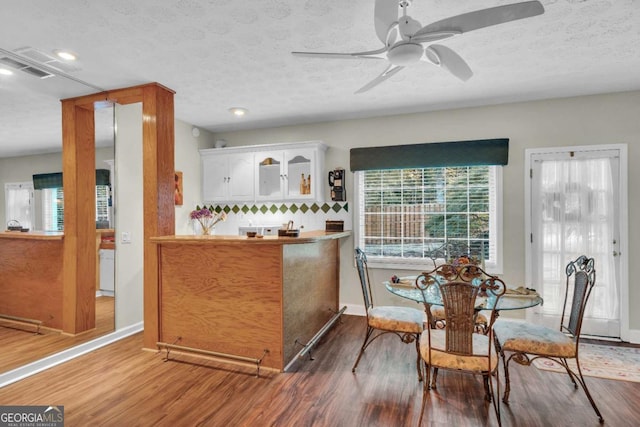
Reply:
x=625 y=332
x=354 y=309
x=418 y=264
x=634 y=336
x=33 y=368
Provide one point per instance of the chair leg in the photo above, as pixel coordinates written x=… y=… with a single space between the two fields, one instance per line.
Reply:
x=586 y=391
x=419 y=358
x=425 y=389
x=435 y=377
x=364 y=346
x=487 y=391
x=495 y=395
x=507 y=383
x=566 y=367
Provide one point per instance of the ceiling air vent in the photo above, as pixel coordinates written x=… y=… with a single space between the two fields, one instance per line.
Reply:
x=21 y=66
x=45 y=59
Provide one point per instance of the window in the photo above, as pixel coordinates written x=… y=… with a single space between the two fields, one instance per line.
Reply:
x=403 y=214
x=53 y=207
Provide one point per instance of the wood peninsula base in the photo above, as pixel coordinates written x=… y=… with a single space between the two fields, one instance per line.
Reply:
x=260 y=299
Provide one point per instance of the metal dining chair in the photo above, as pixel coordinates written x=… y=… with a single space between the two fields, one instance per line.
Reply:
x=405 y=322
x=447 y=251
x=526 y=342
x=458 y=346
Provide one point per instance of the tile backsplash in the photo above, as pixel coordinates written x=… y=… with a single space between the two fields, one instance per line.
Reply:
x=308 y=216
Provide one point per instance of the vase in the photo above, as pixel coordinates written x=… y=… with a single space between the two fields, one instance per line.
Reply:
x=207 y=229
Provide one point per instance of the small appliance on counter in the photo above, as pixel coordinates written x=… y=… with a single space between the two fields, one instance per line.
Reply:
x=331 y=225
x=287 y=230
x=14 y=225
x=336 y=185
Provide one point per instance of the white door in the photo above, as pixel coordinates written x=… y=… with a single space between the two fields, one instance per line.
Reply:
x=575 y=209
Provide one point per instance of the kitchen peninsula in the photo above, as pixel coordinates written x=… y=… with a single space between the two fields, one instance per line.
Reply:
x=31 y=290
x=249 y=299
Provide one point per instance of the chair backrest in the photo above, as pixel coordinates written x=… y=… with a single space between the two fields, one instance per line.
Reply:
x=459 y=300
x=581 y=277
x=459 y=290
x=363 y=272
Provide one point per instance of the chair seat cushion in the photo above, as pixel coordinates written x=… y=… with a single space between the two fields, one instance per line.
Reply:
x=478 y=362
x=525 y=337
x=400 y=319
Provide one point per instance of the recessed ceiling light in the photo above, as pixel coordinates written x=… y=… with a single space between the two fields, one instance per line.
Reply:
x=5 y=72
x=238 y=111
x=66 y=55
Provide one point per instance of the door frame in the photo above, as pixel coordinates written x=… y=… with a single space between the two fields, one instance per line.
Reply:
x=623 y=220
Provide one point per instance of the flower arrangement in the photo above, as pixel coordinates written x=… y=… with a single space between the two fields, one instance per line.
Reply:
x=207 y=217
x=472 y=263
x=461 y=260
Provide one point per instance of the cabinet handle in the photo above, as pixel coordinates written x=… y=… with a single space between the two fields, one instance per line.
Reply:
x=228 y=179
x=285 y=176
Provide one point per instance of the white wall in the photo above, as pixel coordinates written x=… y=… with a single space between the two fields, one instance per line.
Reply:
x=129 y=216
x=589 y=120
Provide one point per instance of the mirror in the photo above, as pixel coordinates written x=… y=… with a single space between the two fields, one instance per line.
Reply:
x=22 y=345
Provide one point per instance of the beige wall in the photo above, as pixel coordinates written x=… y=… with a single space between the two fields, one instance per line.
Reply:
x=589 y=120
x=187 y=160
x=22 y=169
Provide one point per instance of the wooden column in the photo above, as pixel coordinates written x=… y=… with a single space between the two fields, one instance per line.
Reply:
x=159 y=206
x=78 y=154
x=79 y=182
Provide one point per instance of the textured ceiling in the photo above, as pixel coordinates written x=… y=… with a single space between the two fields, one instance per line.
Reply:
x=219 y=54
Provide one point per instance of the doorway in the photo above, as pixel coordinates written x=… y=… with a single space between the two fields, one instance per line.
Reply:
x=577 y=205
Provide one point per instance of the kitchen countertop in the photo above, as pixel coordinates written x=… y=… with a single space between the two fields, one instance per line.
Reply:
x=305 y=237
x=33 y=235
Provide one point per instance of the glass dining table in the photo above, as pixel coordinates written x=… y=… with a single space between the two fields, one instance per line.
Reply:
x=406 y=288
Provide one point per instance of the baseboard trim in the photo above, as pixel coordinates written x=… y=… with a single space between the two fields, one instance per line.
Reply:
x=634 y=336
x=33 y=368
x=354 y=309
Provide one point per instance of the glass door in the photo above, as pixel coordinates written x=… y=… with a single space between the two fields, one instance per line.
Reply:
x=574 y=211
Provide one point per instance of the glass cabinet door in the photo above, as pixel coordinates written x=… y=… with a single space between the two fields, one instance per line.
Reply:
x=270 y=176
x=299 y=176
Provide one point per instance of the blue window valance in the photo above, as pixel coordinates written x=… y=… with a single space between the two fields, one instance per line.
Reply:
x=430 y=155
x=54 y=180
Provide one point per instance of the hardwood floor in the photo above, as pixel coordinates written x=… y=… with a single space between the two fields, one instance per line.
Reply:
x=123 y=385
x=21 y=345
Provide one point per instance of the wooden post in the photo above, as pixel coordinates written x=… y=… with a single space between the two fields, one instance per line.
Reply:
x=78 y=156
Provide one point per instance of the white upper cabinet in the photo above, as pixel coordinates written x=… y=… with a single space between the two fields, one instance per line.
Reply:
x=276 y=172
x=227 y=176
x=286 y=175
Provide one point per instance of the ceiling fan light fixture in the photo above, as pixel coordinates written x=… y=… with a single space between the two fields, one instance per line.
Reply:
x=404 y=54
x=238 y=111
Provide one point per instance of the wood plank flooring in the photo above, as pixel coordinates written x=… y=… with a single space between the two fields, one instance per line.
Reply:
x=21 y=345
x=122 y=385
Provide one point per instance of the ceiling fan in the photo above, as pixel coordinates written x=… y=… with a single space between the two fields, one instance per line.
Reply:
x=407 y=42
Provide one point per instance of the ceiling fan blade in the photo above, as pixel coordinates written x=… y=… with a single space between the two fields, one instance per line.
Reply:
x=449 y=60
x=434 y=37
x=370 y=54
x=388 y=73
x=385 y=14
x=484 y=18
